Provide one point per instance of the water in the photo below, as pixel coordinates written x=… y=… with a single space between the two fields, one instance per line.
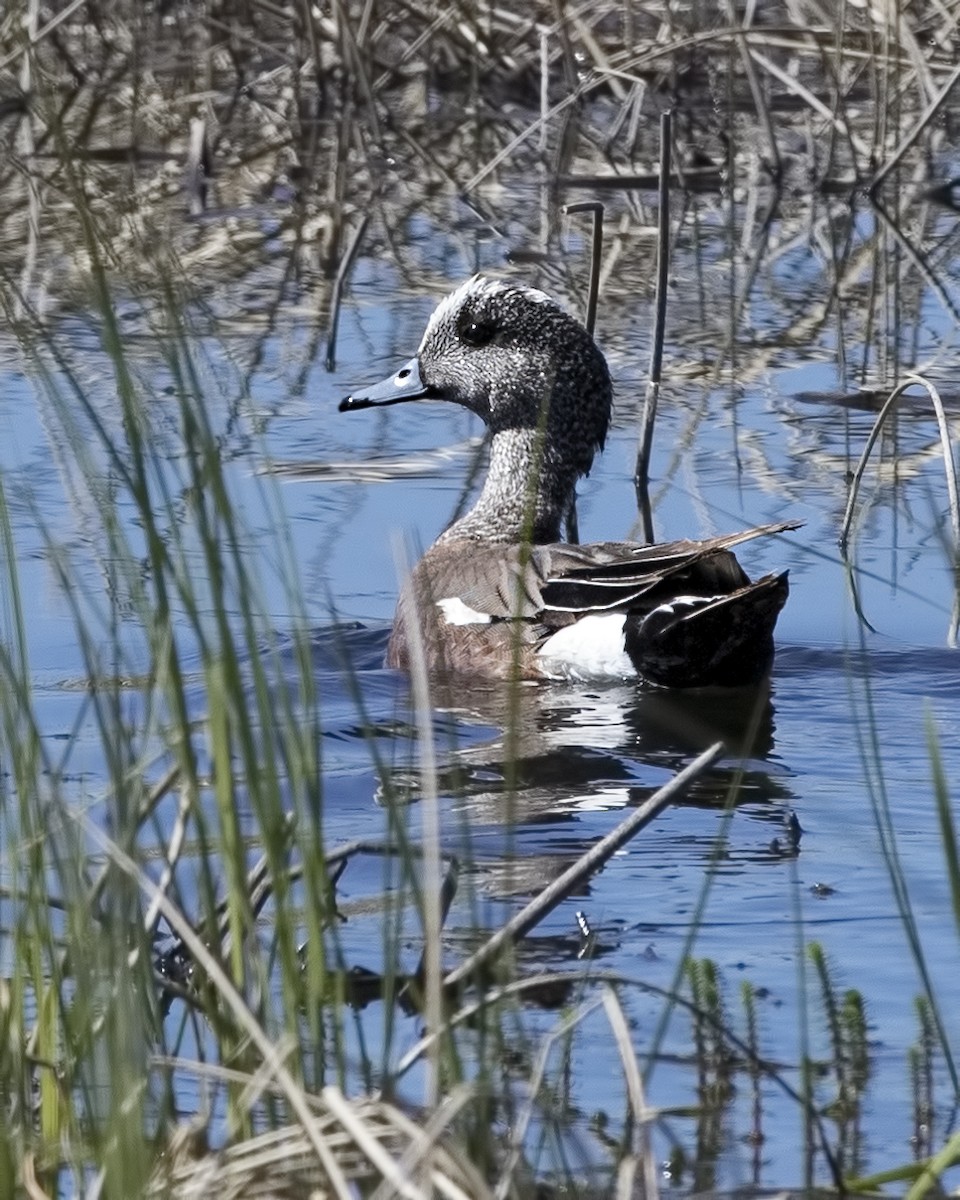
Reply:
x=841 y=734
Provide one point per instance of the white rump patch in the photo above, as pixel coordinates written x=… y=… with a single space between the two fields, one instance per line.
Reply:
x=590 y=648
x=455 y=612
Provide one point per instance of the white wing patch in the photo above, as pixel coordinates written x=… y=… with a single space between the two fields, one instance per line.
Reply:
x=455 y=612
x=590 y=648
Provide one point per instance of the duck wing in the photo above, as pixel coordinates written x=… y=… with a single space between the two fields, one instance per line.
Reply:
x=556 y=583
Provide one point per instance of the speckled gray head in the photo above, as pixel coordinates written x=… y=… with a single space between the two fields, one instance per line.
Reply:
x=513 y=356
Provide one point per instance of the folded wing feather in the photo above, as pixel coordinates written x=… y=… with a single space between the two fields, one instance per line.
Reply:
x=552 y=583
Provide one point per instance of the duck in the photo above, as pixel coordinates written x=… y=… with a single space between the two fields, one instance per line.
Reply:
x=499 y=595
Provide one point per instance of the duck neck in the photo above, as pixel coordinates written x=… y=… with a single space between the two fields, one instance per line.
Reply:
x=527 y=493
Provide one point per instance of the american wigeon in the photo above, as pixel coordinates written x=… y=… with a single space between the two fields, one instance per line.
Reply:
x=498 y=594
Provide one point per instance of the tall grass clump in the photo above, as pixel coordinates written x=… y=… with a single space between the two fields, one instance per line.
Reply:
x=207 y=753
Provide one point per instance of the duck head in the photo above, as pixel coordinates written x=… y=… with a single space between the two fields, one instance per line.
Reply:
x=510 y=354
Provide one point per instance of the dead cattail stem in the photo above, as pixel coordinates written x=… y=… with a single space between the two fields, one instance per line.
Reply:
x=642 y=471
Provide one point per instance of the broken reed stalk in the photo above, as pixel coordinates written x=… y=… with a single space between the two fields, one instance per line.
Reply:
x=525 y=920
x=596 y=256
x=641 y=474
x=198 y=167
x=519 y=1130
x=346 y=264
x=590 y=323
x=948 y=461
x=640 y=1148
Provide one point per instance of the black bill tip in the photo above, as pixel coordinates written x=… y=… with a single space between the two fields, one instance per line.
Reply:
x=352 y=403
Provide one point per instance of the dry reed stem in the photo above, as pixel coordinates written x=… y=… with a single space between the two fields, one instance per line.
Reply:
x=647 y=420
x=276 y=1151
x=520 y=138
x=370 y=1146
x=621 y=1034
x=923 y=121
x=860 y=149
x=642 y=1115
x=38 y=35
x=280 y=1161
x=596 y=257
x=947 y=447
x=343 y=271
x=431 y=978
x=520 y=1127
x=423 y=1140
x=585 y=866
x=172 y=852
x=759 y=102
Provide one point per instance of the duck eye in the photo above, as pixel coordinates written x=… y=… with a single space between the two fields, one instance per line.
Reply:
x=477 y=333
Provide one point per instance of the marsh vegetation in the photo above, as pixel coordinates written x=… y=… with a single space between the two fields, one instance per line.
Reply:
x=248 y=878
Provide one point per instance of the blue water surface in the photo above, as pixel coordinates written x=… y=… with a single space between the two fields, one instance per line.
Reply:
x=786 y=841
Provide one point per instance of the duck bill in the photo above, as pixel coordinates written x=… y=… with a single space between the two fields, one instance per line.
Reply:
x=405 y=385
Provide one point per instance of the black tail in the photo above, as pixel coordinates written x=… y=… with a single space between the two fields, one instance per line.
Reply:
x=696 y=641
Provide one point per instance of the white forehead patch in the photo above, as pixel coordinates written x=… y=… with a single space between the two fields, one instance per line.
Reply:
x=477 y=286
